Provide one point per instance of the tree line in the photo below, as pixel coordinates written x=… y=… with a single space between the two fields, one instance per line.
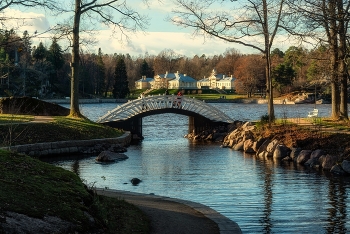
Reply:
x=44 y=72
x=255 y=24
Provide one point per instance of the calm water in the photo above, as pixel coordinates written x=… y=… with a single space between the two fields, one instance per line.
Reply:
x=261 y=196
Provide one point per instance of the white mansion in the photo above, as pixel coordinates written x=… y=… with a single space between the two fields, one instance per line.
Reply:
x=183 y=81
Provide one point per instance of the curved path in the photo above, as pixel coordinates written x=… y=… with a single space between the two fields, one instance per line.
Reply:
x=175 y=216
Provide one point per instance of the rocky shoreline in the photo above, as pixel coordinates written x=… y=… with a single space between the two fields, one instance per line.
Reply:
x=243 y=137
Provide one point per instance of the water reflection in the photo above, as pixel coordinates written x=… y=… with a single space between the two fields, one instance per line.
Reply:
x=337 y=210
x=266 y=173
x=75 y=167
x=261 y=195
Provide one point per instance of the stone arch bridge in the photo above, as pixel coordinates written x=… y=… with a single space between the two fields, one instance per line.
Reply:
x=128 y=116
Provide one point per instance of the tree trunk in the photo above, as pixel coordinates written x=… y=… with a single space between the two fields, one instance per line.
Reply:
x=270 y=108
x=75 y=64
x=333 y=47
x=343 y=74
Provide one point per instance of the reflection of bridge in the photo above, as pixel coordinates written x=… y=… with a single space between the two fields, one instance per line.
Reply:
x=129 y=115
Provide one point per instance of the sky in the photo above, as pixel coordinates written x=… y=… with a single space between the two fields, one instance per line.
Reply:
x=160 y=34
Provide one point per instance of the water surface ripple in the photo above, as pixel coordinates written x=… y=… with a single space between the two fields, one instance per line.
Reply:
x=262 y=196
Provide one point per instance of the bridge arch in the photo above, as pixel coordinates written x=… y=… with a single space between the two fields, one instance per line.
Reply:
x=129 y=115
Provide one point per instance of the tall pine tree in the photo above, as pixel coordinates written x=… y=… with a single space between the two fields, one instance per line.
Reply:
x=101 y=73
x=121 y=84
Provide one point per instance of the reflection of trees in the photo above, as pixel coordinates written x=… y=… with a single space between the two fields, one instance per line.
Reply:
x=337 y=211
x=267 y=173
x=76 y=167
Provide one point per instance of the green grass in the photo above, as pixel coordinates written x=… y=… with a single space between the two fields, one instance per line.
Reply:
x=8 y=118
x=61 y=129
x=34 y=188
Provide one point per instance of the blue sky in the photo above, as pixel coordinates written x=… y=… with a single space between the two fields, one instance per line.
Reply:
x=159 y=35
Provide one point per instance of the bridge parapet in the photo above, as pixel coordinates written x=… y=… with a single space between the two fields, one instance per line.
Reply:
x=152 y=103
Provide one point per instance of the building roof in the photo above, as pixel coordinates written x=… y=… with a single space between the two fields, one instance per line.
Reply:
x=184 y=78
x=146 y=79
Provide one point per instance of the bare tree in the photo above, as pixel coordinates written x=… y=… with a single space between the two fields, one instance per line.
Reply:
x=252 y=23
x=113 y=13
x=326 y=22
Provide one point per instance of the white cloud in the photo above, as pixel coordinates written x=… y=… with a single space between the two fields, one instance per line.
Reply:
x=155 y=42
x=22 y=21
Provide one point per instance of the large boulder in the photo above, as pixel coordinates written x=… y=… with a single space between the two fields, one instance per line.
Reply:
x=248 y=146
x=317 y=153
x=346 y=166
x=238 y=146
x=281 y=152
x=295 y=153
x=338 y=170
x=328 y=161
x=108 y=156
x=304 y=156
x=258 y=143
x=271 y=147
x=263 y=147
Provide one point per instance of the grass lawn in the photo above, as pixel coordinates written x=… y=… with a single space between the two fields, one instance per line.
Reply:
x=15 y=132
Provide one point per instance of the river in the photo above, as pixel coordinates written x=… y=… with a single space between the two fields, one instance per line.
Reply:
x=262 y=196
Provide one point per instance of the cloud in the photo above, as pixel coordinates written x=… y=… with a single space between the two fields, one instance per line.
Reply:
x=21 y=21
x=155 y=42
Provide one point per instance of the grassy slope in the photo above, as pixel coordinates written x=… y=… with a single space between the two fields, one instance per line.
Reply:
x=61 y=129
x=35 y=188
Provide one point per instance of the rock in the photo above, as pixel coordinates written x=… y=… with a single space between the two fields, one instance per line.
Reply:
x=118 y=149
x=258 y=143
x=281 y=152
x=317 y=153
x=346 y=166
x=248 y=146
x=328 y=161
x=312 y=162
x=338 y=170
x=135 y=181
x=239 y=146
x=304 y=156
x=107 y=156
x=271 y=147
x=263 y=146
x=295 y=153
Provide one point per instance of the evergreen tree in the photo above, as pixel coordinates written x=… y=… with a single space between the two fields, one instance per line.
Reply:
x=101 y=71
x=40 y=53
x=55 y=55
x=146 y=70
x=120 y=87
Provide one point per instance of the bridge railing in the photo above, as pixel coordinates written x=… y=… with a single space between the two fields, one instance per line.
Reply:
x=149 y=103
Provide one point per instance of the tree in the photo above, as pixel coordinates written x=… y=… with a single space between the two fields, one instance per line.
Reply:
x=100 y=74
x=40 y=52
x=146 y=70
x=326 y=22
x=250 y=74
x=253 y=19
x=282 y=76
x=121 y=84
x=106 y=12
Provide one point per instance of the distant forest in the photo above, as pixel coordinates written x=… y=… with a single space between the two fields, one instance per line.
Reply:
x=40 y=71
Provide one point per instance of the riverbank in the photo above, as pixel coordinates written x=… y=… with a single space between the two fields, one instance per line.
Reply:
x=218 y=100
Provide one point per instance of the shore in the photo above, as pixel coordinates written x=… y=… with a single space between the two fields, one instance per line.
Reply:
x=107 y=100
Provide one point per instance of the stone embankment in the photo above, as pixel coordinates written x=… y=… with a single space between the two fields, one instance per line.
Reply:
x=242 y=139
x=72 y=147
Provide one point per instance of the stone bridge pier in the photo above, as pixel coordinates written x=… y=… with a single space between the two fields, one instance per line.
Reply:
x=195 y=125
